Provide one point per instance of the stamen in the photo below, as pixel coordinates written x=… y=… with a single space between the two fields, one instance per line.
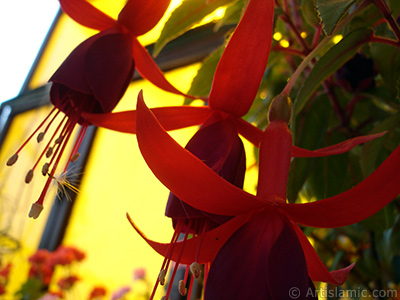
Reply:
x=12 y=160
x=182 y=288
x=45 y=169
x=35 y=211
x=161 y=277
x=29 y=176
x=195 y=269
x=40 y=136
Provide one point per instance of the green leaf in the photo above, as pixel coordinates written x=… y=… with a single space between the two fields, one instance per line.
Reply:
x=310 y=136
x=330 y=63
x=371 y=150
x=382 y=220
x=201 y=84
x=332 y=11
x=329 y=176
x=387 y=60
x=310 y=13
x=184 y=17
x=232 y=15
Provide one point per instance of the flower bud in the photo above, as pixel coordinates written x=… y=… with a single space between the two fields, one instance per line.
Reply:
x=280 y=109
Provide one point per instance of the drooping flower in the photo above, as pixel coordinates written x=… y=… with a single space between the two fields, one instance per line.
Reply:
x=264 y=225
x=94 y=77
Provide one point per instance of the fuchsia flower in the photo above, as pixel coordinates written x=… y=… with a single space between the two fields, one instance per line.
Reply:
x=263 y=236
x=94 y=77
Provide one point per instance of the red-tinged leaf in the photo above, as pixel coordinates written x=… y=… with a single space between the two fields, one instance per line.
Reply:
x=354 y=205
x=210 y=244
x=241 y=68
x=86 y=14
x=139 y=16
x=148 y=69
x=335 y=149
x=185 y=175
x=249 y=132
x=171 y=118
x=316 y=269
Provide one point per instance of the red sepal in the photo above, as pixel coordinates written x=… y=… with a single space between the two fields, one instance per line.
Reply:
x=354 y=205
x=242 y=65
x=86 y=14
x=185 y=175
x=171 y=118
x=340 y=148
x=212 y=241
x=316 y=269
x=149 y=70
x=139 y=16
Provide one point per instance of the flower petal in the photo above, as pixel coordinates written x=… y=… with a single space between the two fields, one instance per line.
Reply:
x=171 y=118
x=354 y=205
x=109 y=67
x=149 y=70
x=184 y=174
x=287 y=268
x=139 y=16
x=101 y=66
x=316 y=269
x=210 y=243
x=243 y=62
x=247 y=249
x=86 y=14
x=340 y=148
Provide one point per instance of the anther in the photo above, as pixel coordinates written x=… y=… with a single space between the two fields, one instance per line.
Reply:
x=29 y=176
x=49 y=152
x=195 y=269
x=12 y=160
x=161 y=277
x=75 y=157
x=40 y=137
x=182 y=288
x=45 y=169
x=35 y=211
x=59 y=139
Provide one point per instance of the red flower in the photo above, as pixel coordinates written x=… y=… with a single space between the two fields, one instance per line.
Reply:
x=41 y=256
x=67 y=282
x=265 y=219
x=66 y=255
x=2 y=289
x=97 y=292
x=95 y=76
x=4 y=272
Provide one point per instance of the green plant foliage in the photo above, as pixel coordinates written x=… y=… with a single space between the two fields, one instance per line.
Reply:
x=184 y=17
x=330 y=63
x=332 y=11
